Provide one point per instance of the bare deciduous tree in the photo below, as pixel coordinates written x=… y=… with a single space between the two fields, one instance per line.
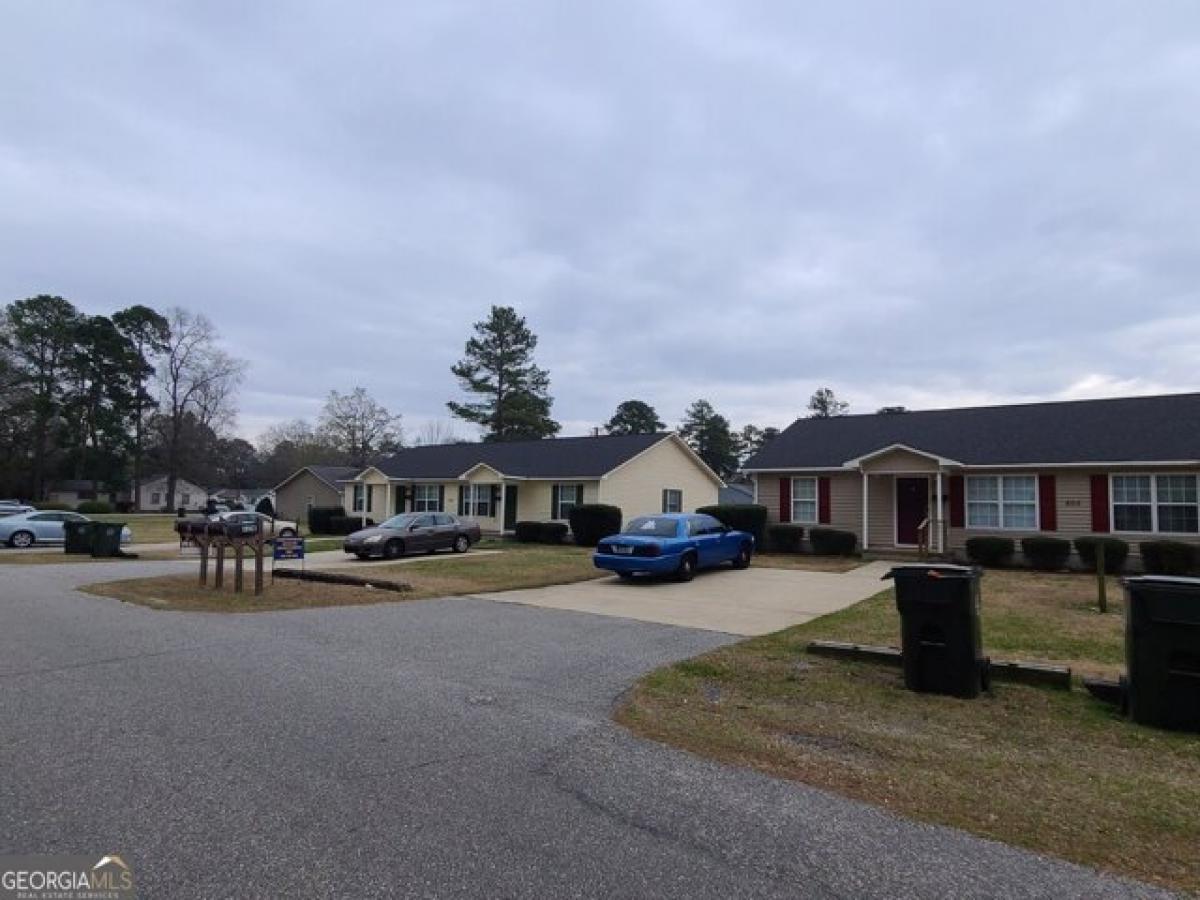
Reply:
x=438 y=431
x=359 y=426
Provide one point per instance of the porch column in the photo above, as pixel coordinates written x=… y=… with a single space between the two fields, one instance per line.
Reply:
x=938 y=516
x=503 y=498
x=388 y=491
x=866 y=481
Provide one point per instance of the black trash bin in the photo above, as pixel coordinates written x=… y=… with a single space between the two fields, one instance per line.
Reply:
x=77 y=536
x=106 y=538
x=939 y=615
x=1162 y=651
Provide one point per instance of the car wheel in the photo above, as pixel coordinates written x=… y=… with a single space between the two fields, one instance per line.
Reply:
x=363 y=556
x=288 y=532
x=393 y=549
x=625 y=576
x=21 y=539
x=462 y=544
x=742 y=560
x=687 y=568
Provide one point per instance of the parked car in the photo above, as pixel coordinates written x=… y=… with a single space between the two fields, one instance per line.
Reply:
x=12 y=507
x=675 y=544
x=42 y=527
x=413 y=533
x=271 y=527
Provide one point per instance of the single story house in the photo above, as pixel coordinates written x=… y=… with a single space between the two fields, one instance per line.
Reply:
x=152 y=496
x=1126 y=467
x=72 y=492
x=310 y=487
x=499 y=484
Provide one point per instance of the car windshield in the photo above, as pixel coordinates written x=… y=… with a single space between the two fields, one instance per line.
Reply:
x=399 y=522
x=652 y=526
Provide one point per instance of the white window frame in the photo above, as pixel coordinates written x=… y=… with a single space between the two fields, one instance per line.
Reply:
x=425 y=498
x=478 y=501
x=815 y=501
x=1000 y=502
x=155 y=498
x=1154 y=503
x=576 y=490
x=667 y=505
x=358 y=502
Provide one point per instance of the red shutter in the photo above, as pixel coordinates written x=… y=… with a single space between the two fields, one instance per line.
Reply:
x=823 y=514
x=1100 y=504
x=785 y=499
x=1048 y=503
x=958 y=502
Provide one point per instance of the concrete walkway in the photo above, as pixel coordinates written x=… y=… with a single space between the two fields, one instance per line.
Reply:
x=750 y=602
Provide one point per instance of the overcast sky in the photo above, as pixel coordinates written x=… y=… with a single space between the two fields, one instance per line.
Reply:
x=926 y=204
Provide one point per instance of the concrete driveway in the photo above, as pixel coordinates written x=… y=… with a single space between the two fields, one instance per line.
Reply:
x=748 y=602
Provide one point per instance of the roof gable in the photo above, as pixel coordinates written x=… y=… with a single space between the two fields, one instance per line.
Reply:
x=1130 y=429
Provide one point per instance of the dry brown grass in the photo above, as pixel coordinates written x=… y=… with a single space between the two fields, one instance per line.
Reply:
x=518 y=567
x=806 y=562
x=1054 y=771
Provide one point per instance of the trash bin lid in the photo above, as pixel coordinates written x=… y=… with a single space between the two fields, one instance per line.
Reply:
x=935 y=570
x=1167 y=580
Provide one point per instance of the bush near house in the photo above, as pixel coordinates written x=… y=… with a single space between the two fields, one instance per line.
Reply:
x=94 y=507
x=1049 y=554
x=750 y=517
x=786 y=538
x=1170 y=558
x=266 y=507
x=832 y=542
x=541 y=532
x=592 y=521
x=1115 y=552
x=319 y=518
x=347 y=524
x=991 y=551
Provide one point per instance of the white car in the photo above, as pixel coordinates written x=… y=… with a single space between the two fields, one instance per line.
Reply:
x=12 y=507
x=42 y=527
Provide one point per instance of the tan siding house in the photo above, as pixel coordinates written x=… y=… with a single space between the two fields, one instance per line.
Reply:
x=499 y=484
x=311 y=487
x=1128 y=467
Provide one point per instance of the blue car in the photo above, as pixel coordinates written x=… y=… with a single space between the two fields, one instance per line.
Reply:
x=675 y=544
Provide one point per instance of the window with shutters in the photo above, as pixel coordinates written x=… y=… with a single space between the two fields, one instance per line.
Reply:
x=672 y=500
x=569 y=497
x=1002 y=502
x=477 y=501
x=359 y=498
x=1167 y=504
x=804 y=501
x=425 y=498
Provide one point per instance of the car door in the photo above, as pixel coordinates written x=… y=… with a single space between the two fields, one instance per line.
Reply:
x=422 y=534
x=446 y=531
x=710 y=538
x=47 y=526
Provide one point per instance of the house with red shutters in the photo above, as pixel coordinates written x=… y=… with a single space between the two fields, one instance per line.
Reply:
x=1127 y=467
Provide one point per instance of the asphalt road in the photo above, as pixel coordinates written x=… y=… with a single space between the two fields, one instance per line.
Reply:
x=432 y=749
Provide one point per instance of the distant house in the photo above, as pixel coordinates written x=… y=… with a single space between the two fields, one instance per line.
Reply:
x=499 y=484
x=72 y=492
x=153 y=494
x=1128 y=467
x=248 y=497
x=311 y=487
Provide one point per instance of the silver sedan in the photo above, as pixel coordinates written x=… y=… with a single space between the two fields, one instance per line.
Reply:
x=42 y=527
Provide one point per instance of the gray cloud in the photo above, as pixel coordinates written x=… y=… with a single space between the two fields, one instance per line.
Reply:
x=927 y=205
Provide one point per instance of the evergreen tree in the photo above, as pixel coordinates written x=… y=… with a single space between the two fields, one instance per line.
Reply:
x=498 y=367
x=824 y=404
x=634 y=417
x=709 y=434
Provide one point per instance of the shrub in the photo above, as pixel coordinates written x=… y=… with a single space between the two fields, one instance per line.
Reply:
x=832 y=542
x=592 y=521
x=1169 y=558
x=320 y=516
x=347 y=524
x=991 y=551
x=541 y=532
x=749 y=517
x=94 y=507
x=124 y=506
x=786 y=538
x=1046 y=553
x=266 y=507
x=1115 y=552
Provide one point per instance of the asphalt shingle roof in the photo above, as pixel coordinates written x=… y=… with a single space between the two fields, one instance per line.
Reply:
x=578 y=457
x=331 y=475
x=1129 y=429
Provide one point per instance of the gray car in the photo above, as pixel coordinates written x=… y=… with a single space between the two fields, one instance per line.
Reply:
x=413 y=533
x=42 y=527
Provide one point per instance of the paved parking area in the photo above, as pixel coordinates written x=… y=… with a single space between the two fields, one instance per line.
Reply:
x=747 y=602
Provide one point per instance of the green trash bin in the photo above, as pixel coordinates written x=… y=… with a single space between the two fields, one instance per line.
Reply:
x=106 y=538
x=77 y=536
x=1162 y=651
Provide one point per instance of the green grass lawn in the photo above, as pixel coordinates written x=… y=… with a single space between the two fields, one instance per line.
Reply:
x=1054 y=771
x=147 y=528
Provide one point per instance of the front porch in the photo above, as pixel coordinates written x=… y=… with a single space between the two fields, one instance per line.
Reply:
x=904 y=501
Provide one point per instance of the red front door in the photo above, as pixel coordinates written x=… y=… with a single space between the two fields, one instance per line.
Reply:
x=912 y=508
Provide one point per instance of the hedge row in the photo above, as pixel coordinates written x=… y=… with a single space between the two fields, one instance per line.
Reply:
x=319 y=518
x=541 y=532
x=1170 y=558
x=592 y=521
x=347 y=524
x=832 y=542
x=94 y=507
x=786 y=538
x=1052 y=554
x=750 y=517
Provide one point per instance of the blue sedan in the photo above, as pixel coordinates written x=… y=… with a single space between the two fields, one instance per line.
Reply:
x=42 y=527
x=676 y=544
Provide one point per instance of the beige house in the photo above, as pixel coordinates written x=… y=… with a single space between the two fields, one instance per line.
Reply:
x=500 y=484
x=1127 y=467
x=311 y=487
